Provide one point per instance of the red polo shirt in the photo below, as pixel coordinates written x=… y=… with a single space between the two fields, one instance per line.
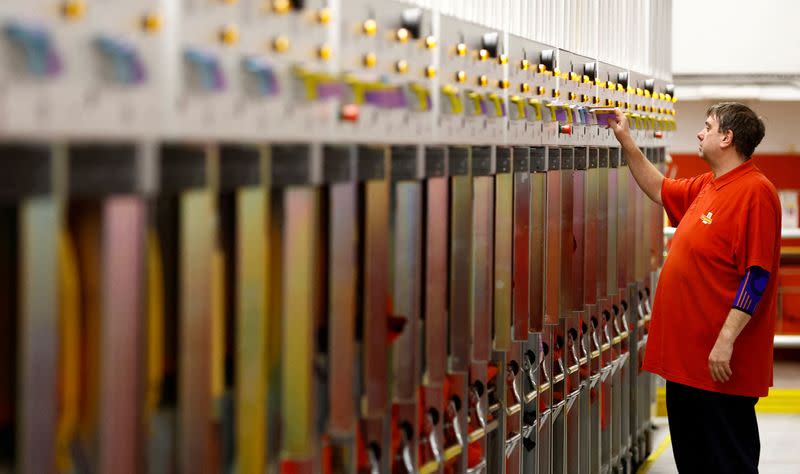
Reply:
x=724 y=226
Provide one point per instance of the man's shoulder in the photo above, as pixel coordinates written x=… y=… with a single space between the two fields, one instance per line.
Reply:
x=756 y=184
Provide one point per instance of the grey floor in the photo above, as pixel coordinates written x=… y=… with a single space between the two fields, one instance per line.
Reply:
x=780 y=449
x=779 y=445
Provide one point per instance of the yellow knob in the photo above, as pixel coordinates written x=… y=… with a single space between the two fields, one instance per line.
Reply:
x=430 y=72
x=483 y=55
x=73 y=9
x=524 y=88
x=524 y=64
x=461 y=76
x=573 y=96
x=370 y=27
x=324 y=16
x=461 y=49
x=430 y=42
x=541 y=90
x=402 y=35
x=483 y=81
x=281 y=6
x=503 y=59
x=556 y=93
x=151 y=23
x=229 y=35
x=503 y=83
x=280 y=44
x=401 y=66
x=324 y=52
x=542 y=68
x=370 y=60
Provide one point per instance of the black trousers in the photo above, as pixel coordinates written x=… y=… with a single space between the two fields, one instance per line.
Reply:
x=712 y=432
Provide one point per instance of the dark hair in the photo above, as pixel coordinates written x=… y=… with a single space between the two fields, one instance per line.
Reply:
x=747 y=127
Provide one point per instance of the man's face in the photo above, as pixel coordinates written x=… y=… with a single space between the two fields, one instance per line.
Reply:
x=710 y=139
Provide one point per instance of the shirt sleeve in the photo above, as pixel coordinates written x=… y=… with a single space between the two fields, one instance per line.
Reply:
x=759 y=235
x=677 y=195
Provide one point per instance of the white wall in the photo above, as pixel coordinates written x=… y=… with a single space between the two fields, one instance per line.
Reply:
x=780 y=119
x=735 y=36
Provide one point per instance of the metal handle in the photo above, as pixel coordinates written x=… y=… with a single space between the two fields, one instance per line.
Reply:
x=574 y=351
x=528 y=426
x=557 y=408
x=475 y=403
x=530 y=372
x=374 y=463
x=561 y=366
x=456 y=426
x=543 y=416
x=606 y=371
x=545 y=375
x=512 y=443
x=478 y=468
x=596 y=341
x=530 y=369
x=571 y=399
x=585 y=350
x=616 y=325
x=433 y=445
x=406 y=455
x=515 y=393
x=615 y=365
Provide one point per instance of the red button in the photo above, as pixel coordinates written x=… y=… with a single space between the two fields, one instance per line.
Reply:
x=659 y=134
x=566 y=129
x=349 y=113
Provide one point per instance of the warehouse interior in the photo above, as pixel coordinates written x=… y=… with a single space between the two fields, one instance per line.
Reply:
x=363 y=236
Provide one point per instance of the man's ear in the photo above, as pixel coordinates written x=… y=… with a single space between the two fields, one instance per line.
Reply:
x=727 y=139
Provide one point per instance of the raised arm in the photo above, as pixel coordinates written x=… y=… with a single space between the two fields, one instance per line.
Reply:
x=645 y=173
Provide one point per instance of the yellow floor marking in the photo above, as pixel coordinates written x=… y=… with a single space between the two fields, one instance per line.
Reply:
x=648 y=463
x=779 y=400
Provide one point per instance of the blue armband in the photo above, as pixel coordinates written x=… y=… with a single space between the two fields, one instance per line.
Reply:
x=751 y=289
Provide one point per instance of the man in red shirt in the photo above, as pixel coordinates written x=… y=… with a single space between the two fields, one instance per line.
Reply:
x=713 y=323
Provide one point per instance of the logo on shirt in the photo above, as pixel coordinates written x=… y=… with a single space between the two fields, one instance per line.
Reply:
x=706 y=219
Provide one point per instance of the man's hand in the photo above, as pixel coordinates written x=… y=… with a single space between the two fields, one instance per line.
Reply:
x=620 y=127
x=719 y=361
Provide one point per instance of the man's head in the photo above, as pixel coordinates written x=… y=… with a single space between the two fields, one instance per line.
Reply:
x=730 y=127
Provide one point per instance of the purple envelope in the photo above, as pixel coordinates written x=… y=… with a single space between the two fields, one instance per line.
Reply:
x=603 y=116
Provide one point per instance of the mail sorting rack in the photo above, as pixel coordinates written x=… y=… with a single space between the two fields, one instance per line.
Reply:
x=309 y=237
